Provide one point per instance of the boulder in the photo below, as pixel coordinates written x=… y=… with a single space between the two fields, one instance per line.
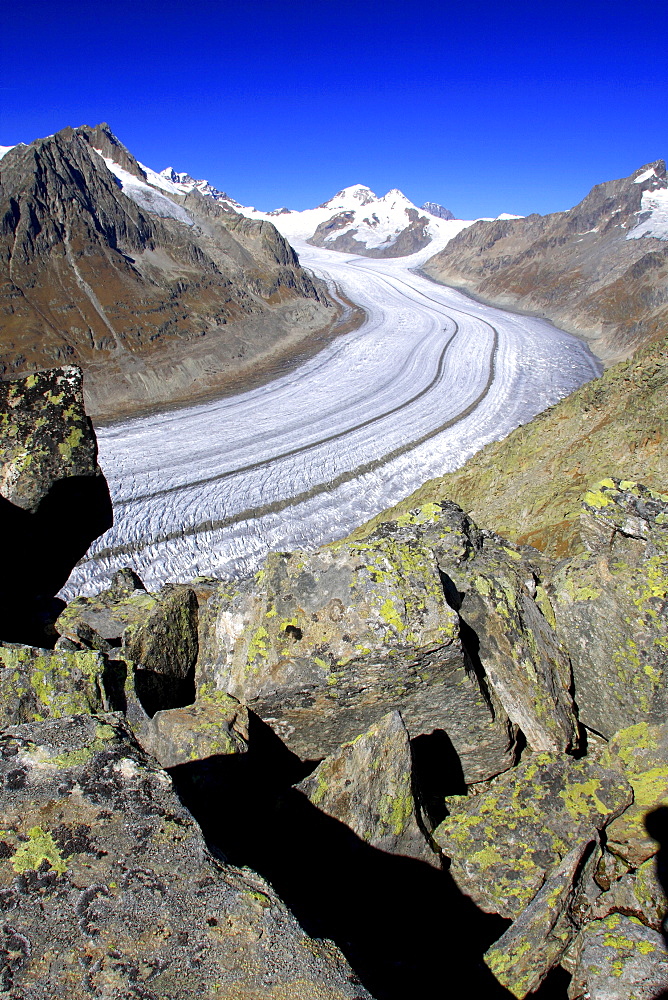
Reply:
x=537 y=940
x=367 y=784
x=45 y=435
x=619 y=959
x=506 y=619
x=611 y=607
x=50 y=684
x=636 y=894
x=641 y=753
x=54 y=499
x=215 y=724
x=505 y=841
x=108 y=888
x=321 y=646
x=157 y=633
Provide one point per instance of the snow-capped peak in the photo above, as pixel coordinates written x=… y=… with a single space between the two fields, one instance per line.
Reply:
x=4 y=149
x=350 y=198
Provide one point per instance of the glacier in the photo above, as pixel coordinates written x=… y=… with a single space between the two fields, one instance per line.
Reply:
x=427 y=379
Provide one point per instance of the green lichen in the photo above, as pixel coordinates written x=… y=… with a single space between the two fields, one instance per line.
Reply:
x=39 y=847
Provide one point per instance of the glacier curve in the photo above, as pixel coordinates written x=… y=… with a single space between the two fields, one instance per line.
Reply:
x=429 y=378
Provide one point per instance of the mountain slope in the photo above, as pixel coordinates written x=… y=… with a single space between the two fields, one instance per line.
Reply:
x=599 y=269
x=528 y=486
x=158 y=296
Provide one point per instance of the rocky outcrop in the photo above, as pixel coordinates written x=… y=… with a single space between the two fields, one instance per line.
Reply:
x=611 y=609
x=108 y=887
x=598 y=270
x=156 y=296
x=54 y=499
x=435 y=209
x=504 y=842
x=368 y=785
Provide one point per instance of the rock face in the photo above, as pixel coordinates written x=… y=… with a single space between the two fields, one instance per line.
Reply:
x=435 y=209
x=505 y=841
x=599 y=268
x=620 y=960
x=620 y=580
x=323 y=645
x=368 y=786
x=166 y=295
x=108 y=888
x=54 y=499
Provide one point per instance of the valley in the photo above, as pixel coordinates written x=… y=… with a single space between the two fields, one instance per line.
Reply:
x=428 y=379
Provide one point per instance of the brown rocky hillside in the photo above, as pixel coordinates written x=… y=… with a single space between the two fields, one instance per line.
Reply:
x=577 y=268
x=153 y=308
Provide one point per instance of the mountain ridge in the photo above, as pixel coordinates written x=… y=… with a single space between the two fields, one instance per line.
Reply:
x=157 y=297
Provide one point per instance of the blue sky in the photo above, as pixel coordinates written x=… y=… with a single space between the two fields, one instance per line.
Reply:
x=484 y=107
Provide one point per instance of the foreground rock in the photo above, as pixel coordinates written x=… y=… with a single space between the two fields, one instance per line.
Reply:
x=367 y=785
x=322 y=646
x=156 y=632
x=506 y=841
x=641 y=753
x=108 y=888
x=620 y=959
x=611 y=606
x=37 y=684
x=537 y=940
x=53 y=497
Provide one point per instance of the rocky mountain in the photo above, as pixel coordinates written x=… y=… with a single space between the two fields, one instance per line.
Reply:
x=435 y=209
x=158 y=293
x=357 y=221
x=422 y=755
x=599 y=270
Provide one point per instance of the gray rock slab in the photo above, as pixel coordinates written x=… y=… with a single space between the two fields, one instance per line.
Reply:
x=619 y=959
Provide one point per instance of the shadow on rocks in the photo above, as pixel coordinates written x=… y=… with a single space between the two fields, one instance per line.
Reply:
x=40 y=550
x=403 y=925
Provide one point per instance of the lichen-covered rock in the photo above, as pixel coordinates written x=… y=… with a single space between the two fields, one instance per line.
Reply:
x=636 y=894
x=54 y=499
x=536 y=941
x=45 y=435
x=611 y=607
x=505 y=841
x=619 y=959
x=157 y=631
x=108 y=889
x=41 y=684
x=506 y=616
x=641 y=753
x=367 y=784
x=322 y=645
x=215 y=724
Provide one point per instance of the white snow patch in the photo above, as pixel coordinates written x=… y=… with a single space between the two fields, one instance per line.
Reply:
x=645 y=176
x=146 y=196
x=4 y=149
x=656 y=203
